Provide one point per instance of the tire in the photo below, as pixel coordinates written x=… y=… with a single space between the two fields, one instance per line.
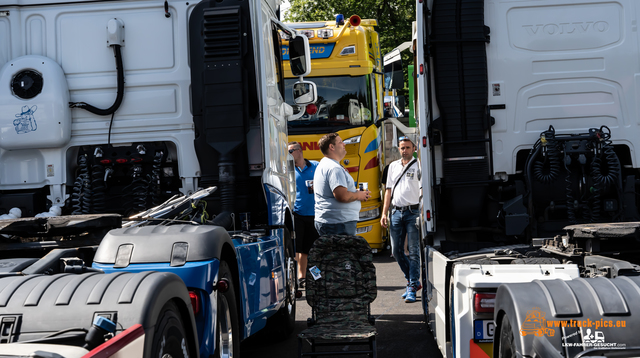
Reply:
x=507 y=343
x=425 y=282
x=169 y=338
x=284 y=321
x=227 y=328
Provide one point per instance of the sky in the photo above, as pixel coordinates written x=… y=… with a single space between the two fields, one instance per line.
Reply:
x=283 y=9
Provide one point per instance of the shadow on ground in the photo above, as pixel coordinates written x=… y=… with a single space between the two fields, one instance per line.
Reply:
x=402 y=332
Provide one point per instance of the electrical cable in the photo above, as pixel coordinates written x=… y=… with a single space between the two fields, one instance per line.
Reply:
x=120 y=92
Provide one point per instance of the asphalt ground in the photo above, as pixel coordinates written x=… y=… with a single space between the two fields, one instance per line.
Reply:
x=402 y=332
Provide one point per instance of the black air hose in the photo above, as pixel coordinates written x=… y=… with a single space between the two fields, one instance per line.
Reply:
x=119 y=96
x=533 y=154
x=547 y=170
x=80 y=201
x=154 y=185
x=609 y=173
x=99 y=189
x=596 y=202
x=139 y=188
x=571 y=214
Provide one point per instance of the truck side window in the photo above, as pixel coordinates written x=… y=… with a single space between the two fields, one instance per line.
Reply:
x=277 y=50
x=271 y=63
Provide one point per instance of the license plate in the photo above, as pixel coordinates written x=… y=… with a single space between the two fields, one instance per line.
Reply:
x=483 y=330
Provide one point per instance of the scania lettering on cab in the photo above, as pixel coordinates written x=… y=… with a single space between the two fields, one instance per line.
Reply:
x=529 y=138
x=158 y=131
x=347 y=69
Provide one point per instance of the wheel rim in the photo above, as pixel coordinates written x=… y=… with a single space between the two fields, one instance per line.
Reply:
x=291 y=277
x=507 y=340
x=225 y=331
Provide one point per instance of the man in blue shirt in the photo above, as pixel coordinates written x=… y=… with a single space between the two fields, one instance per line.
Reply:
x=303 y=209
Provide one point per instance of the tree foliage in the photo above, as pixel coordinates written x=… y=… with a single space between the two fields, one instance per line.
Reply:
x=394 y=17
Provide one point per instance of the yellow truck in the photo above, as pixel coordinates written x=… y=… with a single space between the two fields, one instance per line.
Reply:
x=347 y=69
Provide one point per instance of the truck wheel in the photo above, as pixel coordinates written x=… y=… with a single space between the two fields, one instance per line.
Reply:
x=507 y=343
x=284 y=321
x=425 y=282
x=288 y=311
x=227 y=331
x=169 y=338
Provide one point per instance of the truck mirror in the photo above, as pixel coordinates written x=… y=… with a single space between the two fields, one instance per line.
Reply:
x=304 y=92
x=300 y=56
x=393 y=77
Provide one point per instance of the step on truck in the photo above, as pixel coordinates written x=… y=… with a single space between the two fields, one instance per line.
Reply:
x=528 y=127
x=144 y=176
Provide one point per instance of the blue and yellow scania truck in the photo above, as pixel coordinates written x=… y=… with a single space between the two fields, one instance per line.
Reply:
x=347 y=69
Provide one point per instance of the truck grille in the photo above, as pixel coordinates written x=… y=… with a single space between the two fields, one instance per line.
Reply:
x=222 y=34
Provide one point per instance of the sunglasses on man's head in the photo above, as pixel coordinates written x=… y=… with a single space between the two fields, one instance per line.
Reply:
x=292 y=150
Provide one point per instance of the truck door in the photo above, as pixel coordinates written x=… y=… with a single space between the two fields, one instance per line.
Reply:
x=424 y=116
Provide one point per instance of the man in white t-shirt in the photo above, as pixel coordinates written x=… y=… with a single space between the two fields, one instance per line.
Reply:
x=402 y=196
x=337 y=207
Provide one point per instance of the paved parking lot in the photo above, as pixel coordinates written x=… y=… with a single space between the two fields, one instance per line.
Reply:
x=402 y=332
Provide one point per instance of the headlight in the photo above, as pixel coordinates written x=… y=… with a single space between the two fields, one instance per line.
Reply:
x=325 y=33
x=308 y=33
x=369 y=214
x=349 y=50
x=352 y=140
x=363 y=230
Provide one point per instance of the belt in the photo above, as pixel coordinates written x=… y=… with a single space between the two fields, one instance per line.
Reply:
x=410 y=207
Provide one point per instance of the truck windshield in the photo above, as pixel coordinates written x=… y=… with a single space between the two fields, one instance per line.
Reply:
x=342 y=100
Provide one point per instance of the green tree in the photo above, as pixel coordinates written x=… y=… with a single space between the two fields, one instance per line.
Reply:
x=394 y=18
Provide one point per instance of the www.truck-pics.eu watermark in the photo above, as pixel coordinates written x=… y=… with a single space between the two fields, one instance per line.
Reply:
x=536 y=324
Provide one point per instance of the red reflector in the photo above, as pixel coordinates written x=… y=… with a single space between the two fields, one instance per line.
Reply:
x=105 y=161
x=421 y=69
x=222 y=285
x=311 y=109
x=424 y=141
x=484 y=302
x=428 y=215
x=354 y=20
x=195 y=302
x=121 y=161
x=136 y=160
x=372 y=163
x=352 y=169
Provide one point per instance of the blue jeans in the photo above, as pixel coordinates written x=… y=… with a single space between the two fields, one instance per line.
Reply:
x=403 y=225
x=345 y=228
